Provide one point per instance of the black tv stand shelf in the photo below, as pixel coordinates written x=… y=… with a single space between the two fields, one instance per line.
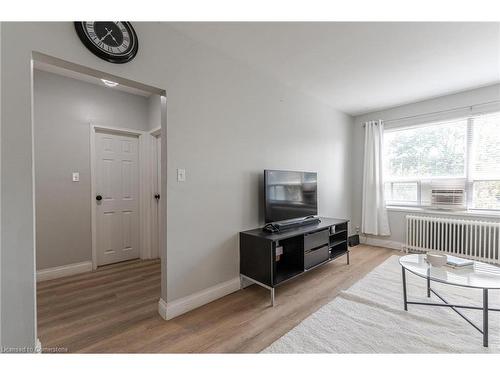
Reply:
x=270 y=259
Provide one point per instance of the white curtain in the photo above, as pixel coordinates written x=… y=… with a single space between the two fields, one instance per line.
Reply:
x=374 y=214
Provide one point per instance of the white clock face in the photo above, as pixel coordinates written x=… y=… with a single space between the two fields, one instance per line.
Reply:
x=113 y=38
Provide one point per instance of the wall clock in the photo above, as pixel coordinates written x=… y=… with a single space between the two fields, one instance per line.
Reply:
x=115 y=42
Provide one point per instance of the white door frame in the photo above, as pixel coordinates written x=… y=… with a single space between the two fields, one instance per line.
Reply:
x=155 y=219
x=155 y=132
x=145 y=187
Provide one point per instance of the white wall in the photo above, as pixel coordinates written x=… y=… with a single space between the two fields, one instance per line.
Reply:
x=432 y=107
x=225 y=124
x=63 y=109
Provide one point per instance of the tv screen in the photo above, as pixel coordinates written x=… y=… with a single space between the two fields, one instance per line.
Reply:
x=290 y=195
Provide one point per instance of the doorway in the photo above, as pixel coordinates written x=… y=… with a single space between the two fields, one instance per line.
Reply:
x=97 y=196
x=116 y=185
x=126 y=190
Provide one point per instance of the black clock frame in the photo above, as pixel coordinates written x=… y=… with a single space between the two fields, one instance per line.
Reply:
x=103 y=54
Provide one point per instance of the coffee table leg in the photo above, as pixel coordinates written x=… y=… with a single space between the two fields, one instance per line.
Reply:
x=428 y=285
x=404 y=289
x=485 y=317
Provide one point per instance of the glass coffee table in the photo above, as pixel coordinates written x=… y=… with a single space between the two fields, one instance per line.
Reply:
x=479 y=276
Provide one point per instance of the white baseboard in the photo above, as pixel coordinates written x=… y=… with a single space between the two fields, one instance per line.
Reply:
x=381 y=242
x=61 y=271
x=38 y=346
x=162 y=308
x=169 y=310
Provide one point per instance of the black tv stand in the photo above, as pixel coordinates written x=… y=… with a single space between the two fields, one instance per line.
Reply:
x=280 y=226
x=270 y=259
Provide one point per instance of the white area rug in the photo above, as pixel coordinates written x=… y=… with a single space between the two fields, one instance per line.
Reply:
x=369 y=318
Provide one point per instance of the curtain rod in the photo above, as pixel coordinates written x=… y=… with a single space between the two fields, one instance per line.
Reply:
x=470 y=107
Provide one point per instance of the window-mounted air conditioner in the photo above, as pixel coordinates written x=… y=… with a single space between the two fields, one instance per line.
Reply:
x=448 y=198
x=447 y=194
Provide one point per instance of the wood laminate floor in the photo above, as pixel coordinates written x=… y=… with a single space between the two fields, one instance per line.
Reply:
x=114 y=309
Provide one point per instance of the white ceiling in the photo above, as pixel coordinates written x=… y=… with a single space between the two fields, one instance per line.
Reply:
x=362 y=67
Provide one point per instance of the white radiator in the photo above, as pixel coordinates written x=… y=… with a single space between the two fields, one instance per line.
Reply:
x=472 y=239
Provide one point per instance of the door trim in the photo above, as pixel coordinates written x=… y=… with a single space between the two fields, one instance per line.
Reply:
x=155 y=132
x=144 y=187
x=155 y=218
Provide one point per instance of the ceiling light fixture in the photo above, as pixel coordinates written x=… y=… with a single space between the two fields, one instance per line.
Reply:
x=109 y=83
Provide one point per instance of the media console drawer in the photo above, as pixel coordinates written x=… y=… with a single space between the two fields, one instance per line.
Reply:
x=315 y=239
x=316 y=256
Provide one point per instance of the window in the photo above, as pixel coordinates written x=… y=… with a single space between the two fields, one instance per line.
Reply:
x=402 y=193
x=426 y=152
x=424 y=164
x=485 y=170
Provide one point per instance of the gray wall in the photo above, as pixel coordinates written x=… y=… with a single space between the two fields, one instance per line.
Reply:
x=226 y=123
x=397 y=223
x=446 y=103
x=1 y=71
x=64 y=108
x=225 y=154
x=154 y=112
x=17 y=215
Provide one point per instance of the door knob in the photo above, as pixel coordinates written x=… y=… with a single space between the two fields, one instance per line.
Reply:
x=157 y=196
x=98 y=197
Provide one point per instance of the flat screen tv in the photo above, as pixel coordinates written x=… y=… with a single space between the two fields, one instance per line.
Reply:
x=290 y=195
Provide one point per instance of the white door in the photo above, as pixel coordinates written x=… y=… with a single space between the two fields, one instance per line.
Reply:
x=156 y=223
x=117 y=198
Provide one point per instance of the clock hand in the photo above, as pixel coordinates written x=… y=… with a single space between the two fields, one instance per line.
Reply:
x=108 y=32
x=111 y=35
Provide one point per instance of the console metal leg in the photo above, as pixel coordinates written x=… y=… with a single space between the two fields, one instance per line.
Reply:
x=348 y=257
x=271 y=289
x=404 y=289
x=485 y=317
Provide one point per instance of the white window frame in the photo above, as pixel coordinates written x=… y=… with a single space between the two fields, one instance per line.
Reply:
x=401 y=203
x=469 y=181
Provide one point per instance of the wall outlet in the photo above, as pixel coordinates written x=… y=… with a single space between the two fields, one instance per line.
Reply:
x=357 y=230
x=181 y=175
x=76 y=176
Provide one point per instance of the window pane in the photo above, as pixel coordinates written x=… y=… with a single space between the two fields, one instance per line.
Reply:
x=486 y=194
x=486 y=147
x=431 y=151
x=388 y=192
x=401 y=192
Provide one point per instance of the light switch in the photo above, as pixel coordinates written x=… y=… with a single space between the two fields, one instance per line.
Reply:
x=76 y=176
x=181 y=174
